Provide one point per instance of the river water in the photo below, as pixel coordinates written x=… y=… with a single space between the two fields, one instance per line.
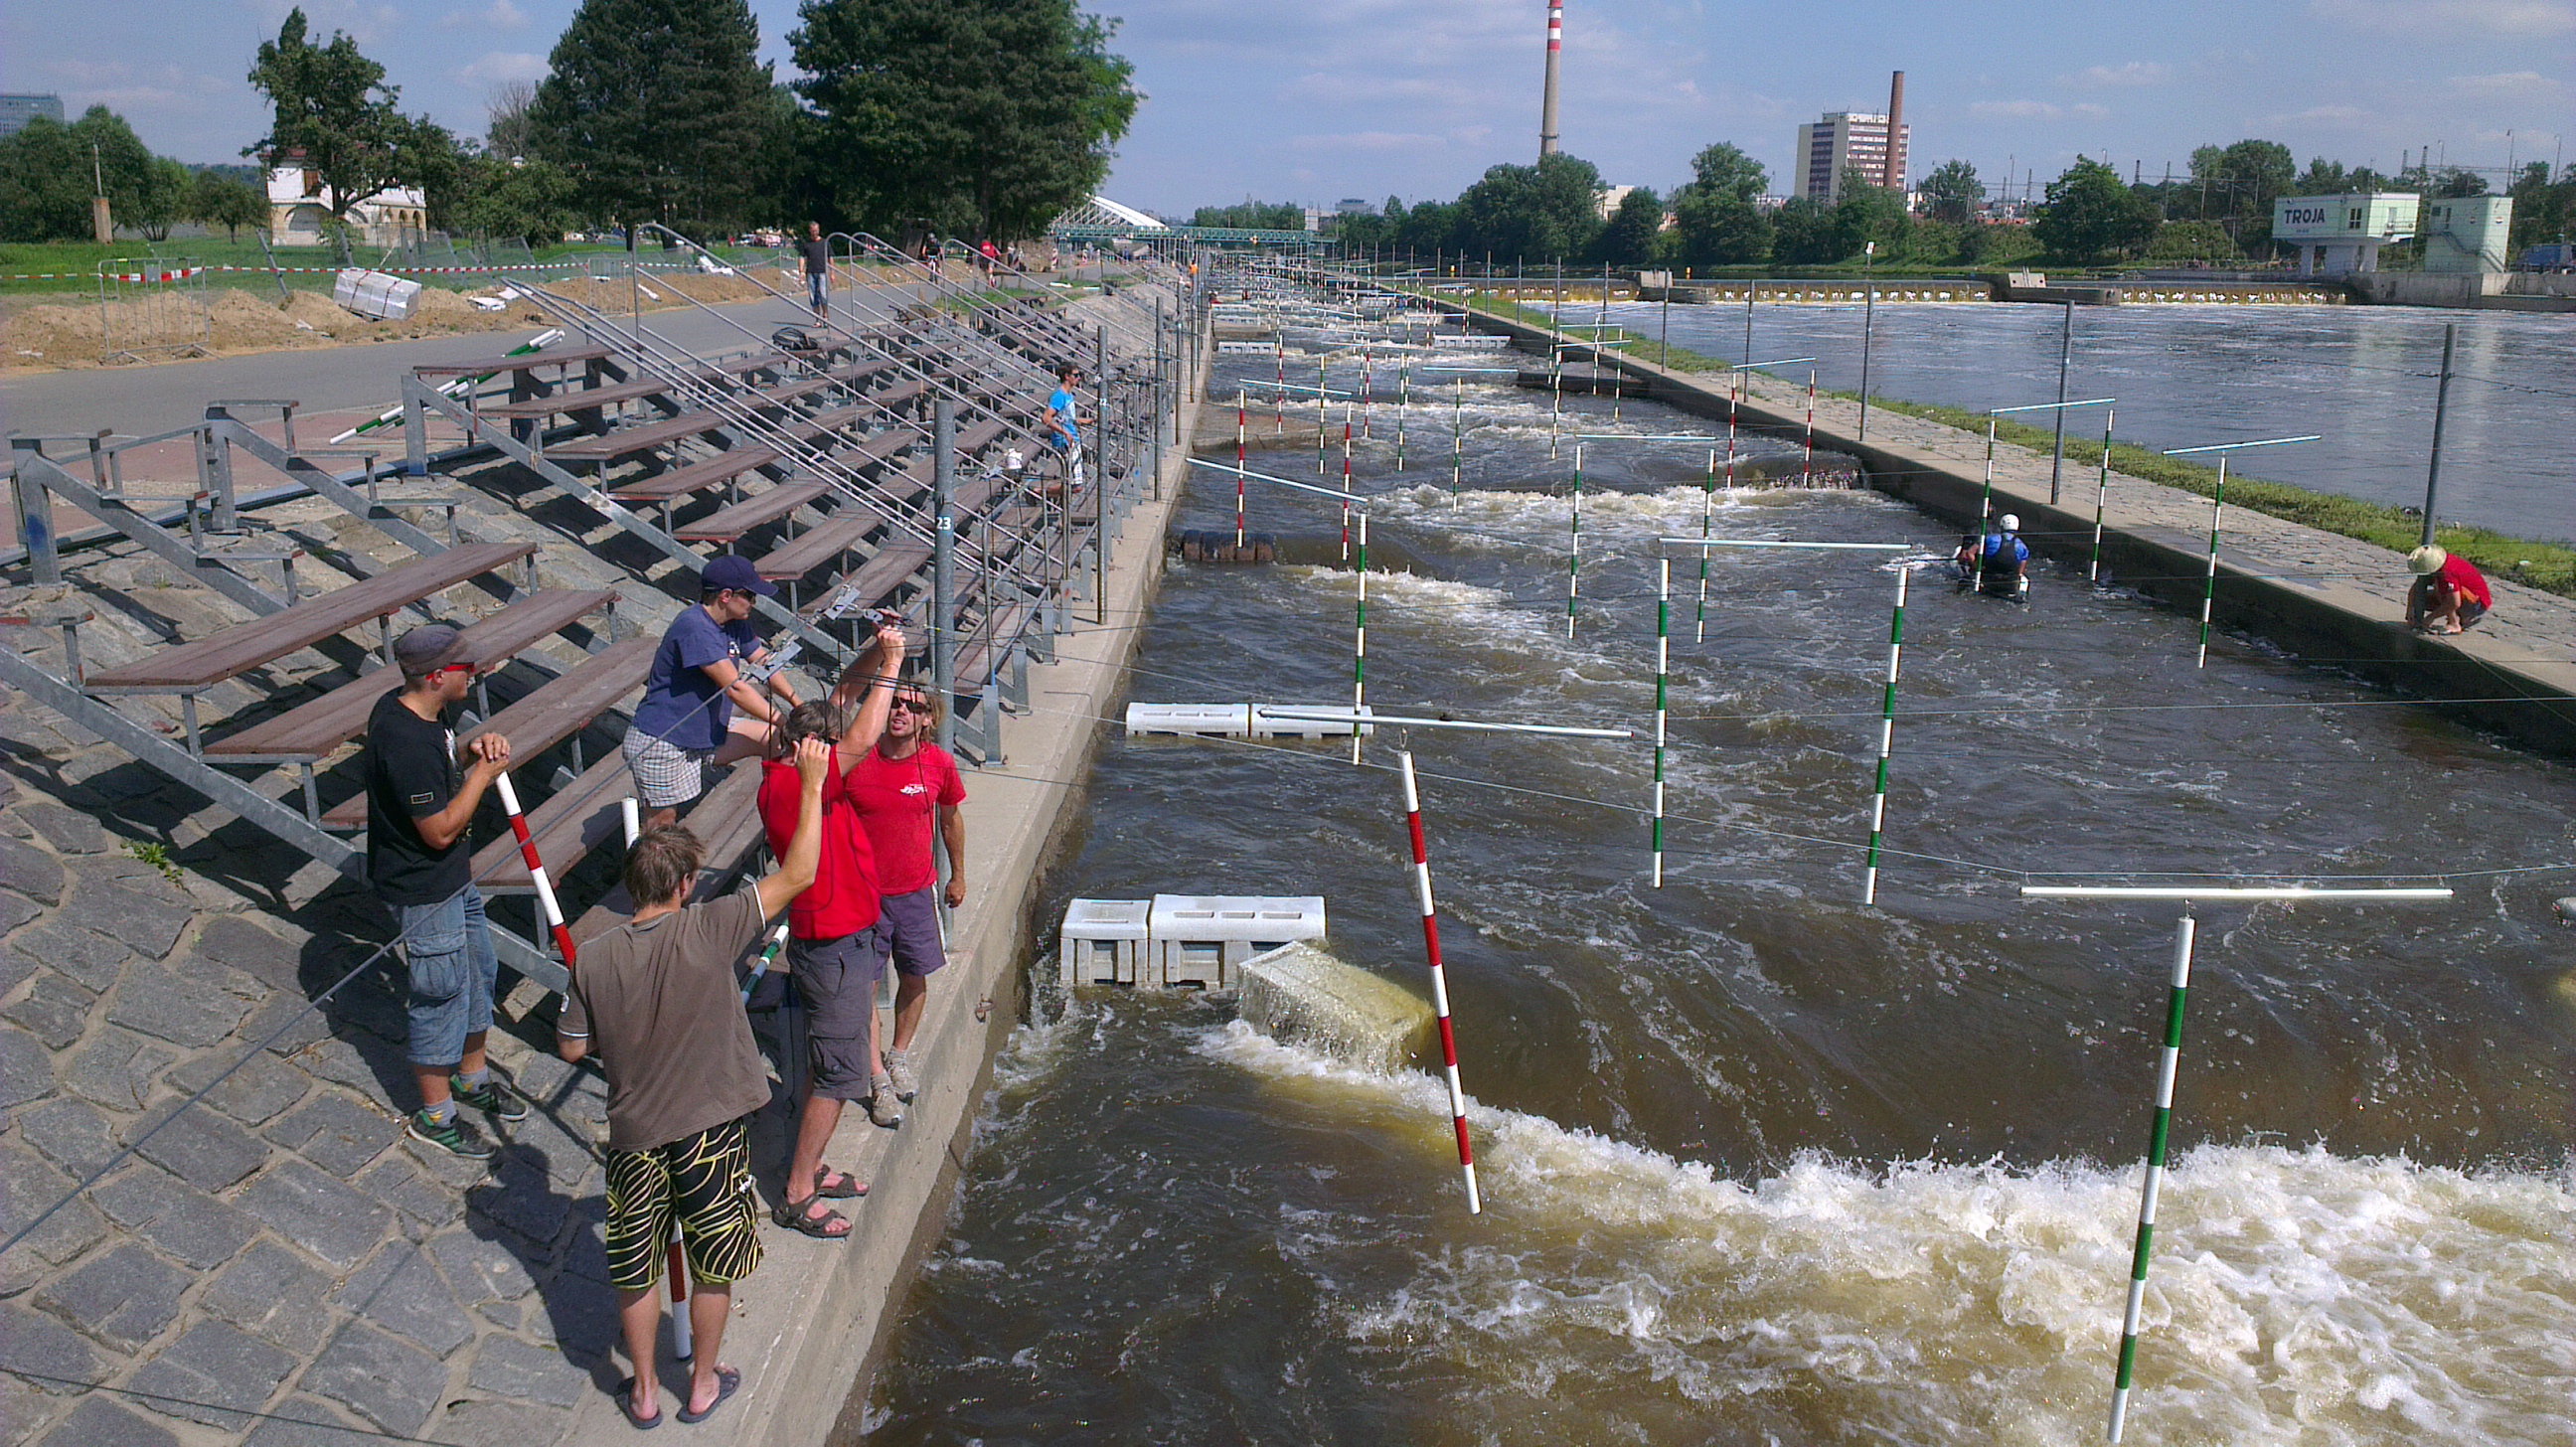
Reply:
x=2185 y=375
x=1761 y=1165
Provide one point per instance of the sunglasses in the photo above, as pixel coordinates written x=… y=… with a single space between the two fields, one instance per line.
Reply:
x=910 y=705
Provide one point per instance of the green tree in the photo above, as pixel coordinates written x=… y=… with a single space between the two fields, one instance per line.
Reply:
x=1429 y=227
x=1865 y=212
x=2091 y=214
x=502 y=196
x=2459 y=181
x=2192 y=241
x=1803 y=233
x=2543 y=210
x=507 y=129
x=216 y=198
x=654 y=108
x=334 y=111
x=1251 y=215
x=978 y=117
x=1537 y=214
x=161 y=201
x=2322 y=178
x=1952 y=192
x=48 y=170
x=1635 y=230
x=1716 y=220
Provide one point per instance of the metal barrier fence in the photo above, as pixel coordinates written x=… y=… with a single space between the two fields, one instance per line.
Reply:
x=149 y=305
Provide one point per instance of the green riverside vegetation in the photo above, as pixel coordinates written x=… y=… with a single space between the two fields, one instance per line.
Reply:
x=2548 y=566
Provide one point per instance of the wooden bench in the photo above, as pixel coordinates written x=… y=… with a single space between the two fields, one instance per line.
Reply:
x=548 y=715
x=586 y=399
x=526 y=362
x=313 y=729
x=727 y=823
x=901 y=394
x=818 y=545
x=679 y=482
x=627 y=441
x=245 y=646
x=980 y=436
x=992 y=641
x=581 y=816
x=880 y=576
x=728 y=523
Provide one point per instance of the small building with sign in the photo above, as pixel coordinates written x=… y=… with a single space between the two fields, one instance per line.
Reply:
x=2467 y=233
x=2339 y=235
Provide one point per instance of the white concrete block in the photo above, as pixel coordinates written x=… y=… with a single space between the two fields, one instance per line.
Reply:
x=1103 y=942
x=1198 y=940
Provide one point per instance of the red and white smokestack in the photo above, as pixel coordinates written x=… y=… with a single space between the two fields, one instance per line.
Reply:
x=1894 y=178
x=1547 y=99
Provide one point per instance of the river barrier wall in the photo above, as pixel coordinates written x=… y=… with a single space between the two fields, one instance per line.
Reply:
x=2328 y=598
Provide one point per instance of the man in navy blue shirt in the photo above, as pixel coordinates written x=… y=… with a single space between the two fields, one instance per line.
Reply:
x=684 y=725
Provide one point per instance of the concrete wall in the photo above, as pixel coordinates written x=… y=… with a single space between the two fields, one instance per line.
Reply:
x=2492 y=290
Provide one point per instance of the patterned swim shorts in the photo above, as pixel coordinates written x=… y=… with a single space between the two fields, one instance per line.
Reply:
x=702 y=1183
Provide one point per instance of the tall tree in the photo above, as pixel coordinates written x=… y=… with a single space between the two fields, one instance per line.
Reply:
x=333 y=109
x=218 y=199
x=48 y=171
x=1952 y=192
x=1251 y=215
x=1804 y=234
x=2091 y=214
x=975 y=117
x=1539 y=214
x=655 y=109
x=1635 y=230
x=1867 y=211
x=507 y=129
x=1715 y=216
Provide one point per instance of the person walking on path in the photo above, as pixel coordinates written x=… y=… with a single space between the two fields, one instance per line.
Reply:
x=684 y=725
x=421 y=795
x=656 y=998
x=2449 y=593
x=818 y=271
x=835 y=946
x=901 y=784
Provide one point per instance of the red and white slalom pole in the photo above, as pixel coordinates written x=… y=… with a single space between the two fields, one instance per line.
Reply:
x=683 y=1342
x=1346 y=482
x=536 y=867
x=1807 y=478
x=1439 y=979
x=1239 y=417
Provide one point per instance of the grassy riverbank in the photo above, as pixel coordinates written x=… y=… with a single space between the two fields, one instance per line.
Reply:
x=2548 y=566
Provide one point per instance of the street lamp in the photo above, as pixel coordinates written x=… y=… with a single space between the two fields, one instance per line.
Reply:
x=1868 y=315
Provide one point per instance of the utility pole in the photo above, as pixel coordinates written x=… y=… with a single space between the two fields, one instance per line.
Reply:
x=2441 y=408
x=2057 y=454
x=102 y=225
x=1868 y=315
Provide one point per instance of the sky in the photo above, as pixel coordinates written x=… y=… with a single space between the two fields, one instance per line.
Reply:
x=1327 y=99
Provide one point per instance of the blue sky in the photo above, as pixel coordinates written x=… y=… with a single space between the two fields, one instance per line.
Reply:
x=1331 y=98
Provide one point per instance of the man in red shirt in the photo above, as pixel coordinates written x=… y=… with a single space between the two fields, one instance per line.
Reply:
x=899 y=786
x=835 y=945
x=2449 y=593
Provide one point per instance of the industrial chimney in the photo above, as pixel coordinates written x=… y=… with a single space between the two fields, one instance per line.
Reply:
x=1894 y=175
x=1547 y=101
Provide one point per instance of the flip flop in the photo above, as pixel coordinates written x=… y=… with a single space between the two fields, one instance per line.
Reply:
x=726 y=1380
x=796 y=1216
x=846 y=1188
x=626 y=1404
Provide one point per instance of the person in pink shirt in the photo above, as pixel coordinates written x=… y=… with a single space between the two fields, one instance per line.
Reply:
x=900 y=787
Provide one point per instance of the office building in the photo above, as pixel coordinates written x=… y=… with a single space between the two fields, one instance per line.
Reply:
x=17 y=110
x=1845 y=141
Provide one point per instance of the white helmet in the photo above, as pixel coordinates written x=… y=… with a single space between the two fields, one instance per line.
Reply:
x=2011 y=522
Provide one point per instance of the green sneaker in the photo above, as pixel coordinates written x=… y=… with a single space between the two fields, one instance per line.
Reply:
x=494 y=1098
x=452 y=1135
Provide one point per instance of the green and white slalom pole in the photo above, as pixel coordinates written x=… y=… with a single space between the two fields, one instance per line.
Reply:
x=1574 y=544
x=1359 y=644
x=1457 y=438
x=2169 y=1065
x=1322 y=411
x=1403 y=403
x=1886 y=740
x=2101 y=500
x=2217 y=507
x=1663 y=692
x=460 y=386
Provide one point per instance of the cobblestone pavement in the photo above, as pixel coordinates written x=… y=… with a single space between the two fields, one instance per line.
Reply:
x=280 y=1248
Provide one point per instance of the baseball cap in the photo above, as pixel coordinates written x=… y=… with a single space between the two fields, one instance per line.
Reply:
x=426 y=649
x=734 y=573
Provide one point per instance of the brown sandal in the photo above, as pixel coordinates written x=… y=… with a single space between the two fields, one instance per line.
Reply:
x=848 y=1187
x=798 y=1216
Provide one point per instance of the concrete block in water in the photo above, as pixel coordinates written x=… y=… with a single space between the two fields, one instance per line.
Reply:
x=1199 y=940
x=1298 y=994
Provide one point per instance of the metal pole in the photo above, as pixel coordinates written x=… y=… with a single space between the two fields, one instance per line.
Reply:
x=1868 y=317
x=1322 y=418
x=2057 y=452
x=1346 y=482
x=1707 y=510
x=1807 y=477
x=2168 y=1063
x=2441 y=409
x=1886 y=740
x=943 y=566
x=1403 y=404
x=1986 y=502
x=1239 y=462
x=1439 y=978
x=1457 y=437
x=1574 y=548
x=2209 y=589
x=1359 y=643
x=1663 y=687
x=1750 y=287
x=2101 y=494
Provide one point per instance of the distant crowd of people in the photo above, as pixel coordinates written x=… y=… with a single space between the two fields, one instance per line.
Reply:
x=858 y=803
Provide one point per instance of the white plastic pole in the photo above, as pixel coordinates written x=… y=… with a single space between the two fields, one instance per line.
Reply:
x=632 y=818
x=1707 y=511
x=1239 y=454
x=1359 y=644
x=2209 y=587
x=1346 y=482
x=2168 y=1064
x=1574 y=547
x=1663 y=683
x=2101 y=497
x=1808 y=477
x=1439 y=980
x=1886 y=742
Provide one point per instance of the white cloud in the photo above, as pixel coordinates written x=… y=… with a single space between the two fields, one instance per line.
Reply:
x=499 y=15
x=496 y=66
x=2136 y=72
x=2014 y=110
x=2508 y=83
x=2092 y=112
x=2493 y=17
x=1367 y=141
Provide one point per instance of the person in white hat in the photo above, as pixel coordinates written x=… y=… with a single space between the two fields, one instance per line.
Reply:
x=2449 y=593
x=1997 y=562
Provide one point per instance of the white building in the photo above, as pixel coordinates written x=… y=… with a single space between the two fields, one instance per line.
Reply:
x=296 y=208
x=2467 y=233
x=2338 y=235
x=1844 y=141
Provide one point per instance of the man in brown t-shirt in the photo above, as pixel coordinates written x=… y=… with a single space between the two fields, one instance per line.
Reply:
x=657 y=999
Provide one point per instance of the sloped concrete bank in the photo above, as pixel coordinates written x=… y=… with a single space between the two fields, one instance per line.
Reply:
x=2327 y=597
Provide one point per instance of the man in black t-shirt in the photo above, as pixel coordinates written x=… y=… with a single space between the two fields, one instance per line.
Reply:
x=420 y=863
x=818 y=269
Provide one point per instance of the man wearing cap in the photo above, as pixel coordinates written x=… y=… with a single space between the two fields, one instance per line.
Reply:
x=2449 y=593
x=683 y=726
x=420 y=863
